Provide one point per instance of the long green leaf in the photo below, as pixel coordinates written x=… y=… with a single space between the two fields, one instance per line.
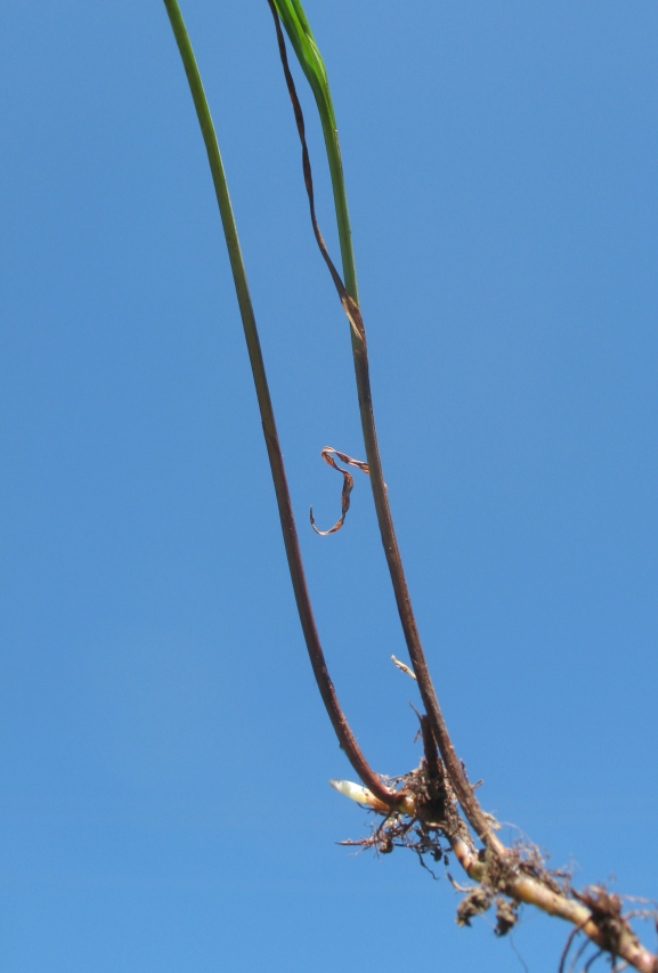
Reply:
x=301 y=37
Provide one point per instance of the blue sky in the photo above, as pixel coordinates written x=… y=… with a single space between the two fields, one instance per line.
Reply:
x=164 y=753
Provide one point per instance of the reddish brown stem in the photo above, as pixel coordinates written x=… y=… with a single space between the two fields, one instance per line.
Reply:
x=454 y=767
x=293 y=553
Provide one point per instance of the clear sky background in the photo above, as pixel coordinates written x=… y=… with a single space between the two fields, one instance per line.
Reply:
x=164 y=754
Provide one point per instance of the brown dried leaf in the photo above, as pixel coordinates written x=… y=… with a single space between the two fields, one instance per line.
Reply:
x=328 y=454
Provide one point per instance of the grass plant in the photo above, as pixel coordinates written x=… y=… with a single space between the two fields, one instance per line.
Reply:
x=432 y=809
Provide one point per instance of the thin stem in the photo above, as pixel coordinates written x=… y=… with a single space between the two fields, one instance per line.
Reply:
x=311 y=61
x=339 y=722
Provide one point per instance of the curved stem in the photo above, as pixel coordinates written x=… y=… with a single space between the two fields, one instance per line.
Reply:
x=301 y=37
x=339 y=722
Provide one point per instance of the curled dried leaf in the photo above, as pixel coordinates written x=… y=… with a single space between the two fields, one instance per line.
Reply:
x=328 y=454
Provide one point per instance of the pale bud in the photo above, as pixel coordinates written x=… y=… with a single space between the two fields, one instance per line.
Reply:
x=360 y=794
